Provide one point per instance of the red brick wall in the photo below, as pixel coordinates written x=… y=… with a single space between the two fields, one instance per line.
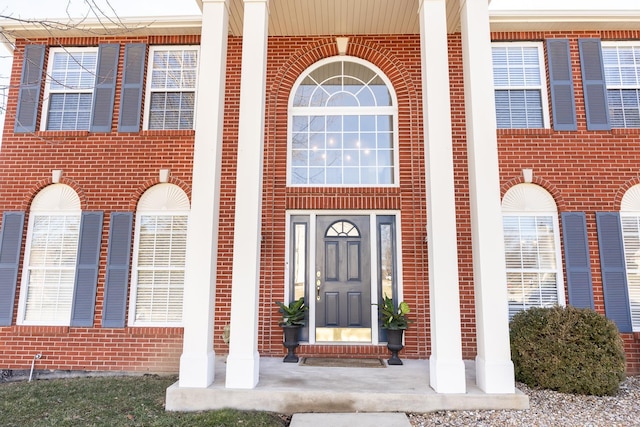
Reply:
x=583 y=170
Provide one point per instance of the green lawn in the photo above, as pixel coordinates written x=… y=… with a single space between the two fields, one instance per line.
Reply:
x=111 y=401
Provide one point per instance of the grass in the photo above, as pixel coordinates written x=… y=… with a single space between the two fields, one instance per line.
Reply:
x=111 y=401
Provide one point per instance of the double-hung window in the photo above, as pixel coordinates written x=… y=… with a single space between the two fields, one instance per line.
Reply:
x=159 y=257
x=71 y=76
x=622 y=74
x=532 y=255
x=171 y=87
x=520 y=85
x=50 y=258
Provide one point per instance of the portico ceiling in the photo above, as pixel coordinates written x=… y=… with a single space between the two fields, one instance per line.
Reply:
x=336 y=17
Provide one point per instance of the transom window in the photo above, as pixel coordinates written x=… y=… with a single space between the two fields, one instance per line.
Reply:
x=342 y=229
x=71 y=76
x=532 y=242
x=343 y=126
x=622 y=74
x=171 y=87
x=159 y=257
x=520 y=85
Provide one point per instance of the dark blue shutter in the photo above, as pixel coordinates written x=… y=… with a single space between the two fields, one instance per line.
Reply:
x=593 y=84
x=578 y=263
x=117 y=279
x=86 y=280
x=10 y=245
x=104 y=91
x=561 y=79
x=29 y=94
x=132 y=81
x=614 y=274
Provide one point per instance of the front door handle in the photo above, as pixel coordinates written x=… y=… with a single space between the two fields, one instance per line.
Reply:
x=318 y=283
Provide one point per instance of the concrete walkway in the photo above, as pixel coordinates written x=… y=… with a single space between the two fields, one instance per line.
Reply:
x=291 y=388
x=350 y=420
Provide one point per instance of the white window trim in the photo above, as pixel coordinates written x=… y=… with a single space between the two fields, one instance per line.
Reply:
x=625 y=43
x=391 y=110
x=47 y=87
x=558 y=252
x=546 y=122
x=134 y=270
x=636 y=271
x=149 y=90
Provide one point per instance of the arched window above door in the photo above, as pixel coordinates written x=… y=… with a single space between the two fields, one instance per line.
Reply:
x=343 y=126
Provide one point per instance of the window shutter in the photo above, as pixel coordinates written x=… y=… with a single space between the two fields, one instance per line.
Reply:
x=105 y=87
x=561 y=79
x=593 y=84
x=29 y=94
x=612 y=265
x=10 y=245
x=117 y=279
x=86 y=280
x=578 y=263
x=132 y=81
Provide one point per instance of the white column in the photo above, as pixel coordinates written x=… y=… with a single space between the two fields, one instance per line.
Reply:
x=244 y=361
x=446 y=368
x=494 y=369
x=197 y=360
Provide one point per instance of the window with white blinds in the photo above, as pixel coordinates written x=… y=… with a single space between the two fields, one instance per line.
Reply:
x=531 y=261
x=622 y=74
x=68 y=98
x=159 y=257
x=520 y=85
x=51 y=269
x=631 y=238
x=160 y=268
x=48 y=273
x=171 y=87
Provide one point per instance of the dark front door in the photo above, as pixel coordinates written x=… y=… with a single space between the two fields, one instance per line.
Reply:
x=343 y=279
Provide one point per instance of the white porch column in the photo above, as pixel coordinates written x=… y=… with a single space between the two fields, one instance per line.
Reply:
x=244 y=361
x=446 y=368
x=197 y=360
x=494 y=369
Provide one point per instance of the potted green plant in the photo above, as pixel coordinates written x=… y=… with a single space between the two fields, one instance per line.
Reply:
x=395 y=321
x=293 y=318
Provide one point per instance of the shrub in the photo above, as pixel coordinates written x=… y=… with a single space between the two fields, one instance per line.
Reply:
x=570 y=350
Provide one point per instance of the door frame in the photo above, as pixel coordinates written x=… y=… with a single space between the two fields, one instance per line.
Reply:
x=310 y=285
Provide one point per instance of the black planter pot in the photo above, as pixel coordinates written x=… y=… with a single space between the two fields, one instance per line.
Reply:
x=394 y=344
x=291 y=341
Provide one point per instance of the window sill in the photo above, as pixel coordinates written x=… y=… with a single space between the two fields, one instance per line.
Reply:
x=535 y=131
x=175 y=132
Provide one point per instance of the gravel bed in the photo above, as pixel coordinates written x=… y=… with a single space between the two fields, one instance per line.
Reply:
x=552 y=409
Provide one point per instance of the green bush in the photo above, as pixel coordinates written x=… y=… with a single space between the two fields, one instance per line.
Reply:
x=570 y=350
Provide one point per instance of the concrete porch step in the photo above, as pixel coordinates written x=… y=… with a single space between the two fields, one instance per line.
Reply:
x=370 y=419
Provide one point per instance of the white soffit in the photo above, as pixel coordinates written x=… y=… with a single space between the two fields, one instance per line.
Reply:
x=335 y=18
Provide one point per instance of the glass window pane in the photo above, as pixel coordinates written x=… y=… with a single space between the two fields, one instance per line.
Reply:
x=335 y=141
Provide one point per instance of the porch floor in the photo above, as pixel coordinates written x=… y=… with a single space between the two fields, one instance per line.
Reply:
x=292 y=388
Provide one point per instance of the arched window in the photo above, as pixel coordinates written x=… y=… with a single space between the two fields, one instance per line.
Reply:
x=48 y=273
x=158 y=258
x=532 y=248
x=630 y=219
x=342 y=131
